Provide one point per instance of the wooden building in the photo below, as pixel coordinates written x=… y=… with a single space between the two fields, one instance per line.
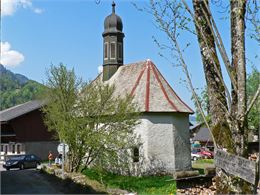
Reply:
x=23 y=131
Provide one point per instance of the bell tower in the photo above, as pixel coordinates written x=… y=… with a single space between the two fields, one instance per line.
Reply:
x=113 y=45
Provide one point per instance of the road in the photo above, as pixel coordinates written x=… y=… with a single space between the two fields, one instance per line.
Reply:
x=26 y=182
x=32 y=181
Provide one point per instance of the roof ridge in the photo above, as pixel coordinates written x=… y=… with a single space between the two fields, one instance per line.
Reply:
x=137 y=81
x=156 y=72
x=174 y=93
x=16 y=111
x=138 y=62
x=16 y=106
x=147 y=86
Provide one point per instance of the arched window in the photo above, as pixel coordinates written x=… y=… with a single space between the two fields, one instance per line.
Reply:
x=112 y=50
x=136 y=154
x=106 y=50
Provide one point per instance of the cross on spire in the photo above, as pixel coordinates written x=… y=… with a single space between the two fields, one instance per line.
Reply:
x=113 y=7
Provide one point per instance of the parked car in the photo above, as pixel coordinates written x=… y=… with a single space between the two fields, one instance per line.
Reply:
x=195 y=156
x=22 y=162
x=197 y=153
x=207 y=153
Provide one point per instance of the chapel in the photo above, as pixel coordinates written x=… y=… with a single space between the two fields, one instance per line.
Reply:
x=164 y=122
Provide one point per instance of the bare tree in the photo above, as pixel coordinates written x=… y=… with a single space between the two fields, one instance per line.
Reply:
x=228 y=109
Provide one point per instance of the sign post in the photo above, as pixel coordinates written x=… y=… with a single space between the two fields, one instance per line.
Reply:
x=63 y=159
x=236 y=165
x=63 y=149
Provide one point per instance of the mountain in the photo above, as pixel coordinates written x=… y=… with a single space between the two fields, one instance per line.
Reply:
x=16 y=88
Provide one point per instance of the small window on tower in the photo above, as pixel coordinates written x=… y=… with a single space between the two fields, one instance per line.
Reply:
x=119 y=51
x=113 y=50
x=106 y=50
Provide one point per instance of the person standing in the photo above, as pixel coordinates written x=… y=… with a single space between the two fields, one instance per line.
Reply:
x=50 y=157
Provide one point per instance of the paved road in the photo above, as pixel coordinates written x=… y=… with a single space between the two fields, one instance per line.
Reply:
x=32 y=181
x=27 y=182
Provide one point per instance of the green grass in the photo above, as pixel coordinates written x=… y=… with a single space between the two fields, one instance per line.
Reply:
x=209 y=161
x=141 y=185
x=202 y=164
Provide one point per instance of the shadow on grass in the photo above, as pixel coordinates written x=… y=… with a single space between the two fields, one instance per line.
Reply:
x=68 y=186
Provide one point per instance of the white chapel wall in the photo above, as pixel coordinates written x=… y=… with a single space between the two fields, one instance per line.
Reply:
x=182 y=142
x=165 y=139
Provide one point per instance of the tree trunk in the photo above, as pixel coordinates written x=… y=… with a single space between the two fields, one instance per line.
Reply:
x=237 y=8
x=235 y=124
x=215 y=87
x=239 y=106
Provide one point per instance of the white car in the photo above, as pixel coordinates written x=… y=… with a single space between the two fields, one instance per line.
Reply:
x=195 y=156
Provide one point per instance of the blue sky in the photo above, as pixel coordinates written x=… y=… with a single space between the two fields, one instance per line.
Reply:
x=42 y=32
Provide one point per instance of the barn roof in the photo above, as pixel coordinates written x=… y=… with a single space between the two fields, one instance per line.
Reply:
x=151 y=91
x=21 y=109
x=203 y=135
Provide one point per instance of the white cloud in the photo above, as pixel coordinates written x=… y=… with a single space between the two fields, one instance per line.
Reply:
x=10 y=58
x=37 y=10
x=100 y=69
x=10 y=6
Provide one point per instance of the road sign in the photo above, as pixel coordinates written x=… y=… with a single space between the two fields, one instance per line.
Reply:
x=236 y=165
x=60 y=148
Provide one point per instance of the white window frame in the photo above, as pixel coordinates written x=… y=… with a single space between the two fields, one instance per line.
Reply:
x=111 y=50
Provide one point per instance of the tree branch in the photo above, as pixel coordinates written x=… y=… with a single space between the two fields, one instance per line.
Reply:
x=253 y=101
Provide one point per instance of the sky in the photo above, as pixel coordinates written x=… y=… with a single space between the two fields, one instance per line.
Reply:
x=38 y=33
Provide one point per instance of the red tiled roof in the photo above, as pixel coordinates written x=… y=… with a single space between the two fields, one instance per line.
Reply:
x=151 y=91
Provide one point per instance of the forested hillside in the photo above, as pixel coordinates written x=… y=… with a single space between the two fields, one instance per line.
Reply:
x=16 y=88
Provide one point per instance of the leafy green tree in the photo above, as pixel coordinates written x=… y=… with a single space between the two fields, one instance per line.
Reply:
x=97 y=126
x=253 y=82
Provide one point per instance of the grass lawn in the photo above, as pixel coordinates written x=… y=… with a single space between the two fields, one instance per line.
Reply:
x=201 y=164
x=141 y=185
x=208 y=161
